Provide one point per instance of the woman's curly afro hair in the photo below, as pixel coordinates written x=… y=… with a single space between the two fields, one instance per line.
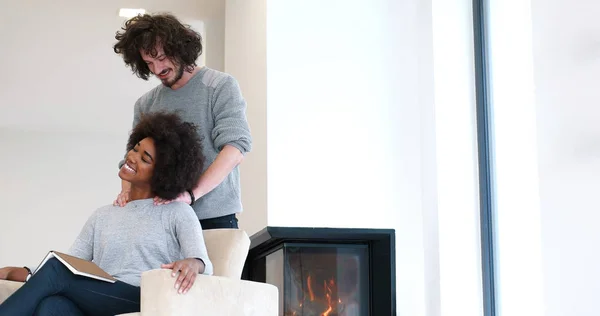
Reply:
x=145 y=32
x=179 y=161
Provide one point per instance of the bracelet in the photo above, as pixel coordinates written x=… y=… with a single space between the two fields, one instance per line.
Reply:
x=29 y=274
x=192 y=196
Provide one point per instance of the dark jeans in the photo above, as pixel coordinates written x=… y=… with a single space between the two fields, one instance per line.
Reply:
x=227 y=221
x=54 y=291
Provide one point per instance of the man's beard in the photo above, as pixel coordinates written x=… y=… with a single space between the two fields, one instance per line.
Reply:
x=178 y=74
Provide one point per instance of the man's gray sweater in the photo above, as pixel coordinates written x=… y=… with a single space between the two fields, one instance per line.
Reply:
x=212 y=100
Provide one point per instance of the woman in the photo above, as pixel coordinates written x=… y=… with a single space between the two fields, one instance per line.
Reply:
x=162 y=161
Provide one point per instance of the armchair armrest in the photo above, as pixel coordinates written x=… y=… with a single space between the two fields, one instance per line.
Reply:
x=7 y=288
x=210 y=295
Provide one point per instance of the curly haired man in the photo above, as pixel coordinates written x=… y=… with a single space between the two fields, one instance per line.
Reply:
x=160 y=45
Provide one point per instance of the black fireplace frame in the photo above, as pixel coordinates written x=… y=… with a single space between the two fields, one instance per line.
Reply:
x=382 y=256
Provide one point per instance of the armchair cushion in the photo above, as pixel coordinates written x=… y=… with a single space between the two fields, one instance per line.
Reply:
x=210 y=295
x=227 y=250
x=7 y=288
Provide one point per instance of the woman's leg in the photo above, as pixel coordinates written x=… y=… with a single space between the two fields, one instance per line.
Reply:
x=93 y=297
x=47 y=282
x=99 y=298
x=57 y=305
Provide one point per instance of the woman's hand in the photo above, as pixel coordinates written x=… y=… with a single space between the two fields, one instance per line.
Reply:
x=188 y=270
x=122 y=198
x=13 y=274
x=183 y=197
x=4 y=272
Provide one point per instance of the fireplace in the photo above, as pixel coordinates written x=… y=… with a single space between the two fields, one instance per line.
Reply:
x=326 y=271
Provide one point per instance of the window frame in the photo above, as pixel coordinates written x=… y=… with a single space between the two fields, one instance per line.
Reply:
x=485 y=154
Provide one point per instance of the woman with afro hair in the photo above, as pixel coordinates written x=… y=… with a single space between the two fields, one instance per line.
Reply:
x=162 y=161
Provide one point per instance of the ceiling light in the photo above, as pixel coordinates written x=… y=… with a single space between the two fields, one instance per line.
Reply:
x=129 y=13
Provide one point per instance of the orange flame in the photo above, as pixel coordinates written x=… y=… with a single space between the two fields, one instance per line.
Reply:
x=311 y=294
x=328 y=296
x=329 y=288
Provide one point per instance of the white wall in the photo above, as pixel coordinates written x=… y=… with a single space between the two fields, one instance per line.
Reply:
x=545 y=66
x=246 y=60
x=356 y=137
x=63 y=71
x=66 y=104
x=342 y=139
x=566 y=47
x=431 y=237
x=518 y=239
x=456 y=170
x=50 y=183
x=343 y=121
x=546 y=60
x=211 y=13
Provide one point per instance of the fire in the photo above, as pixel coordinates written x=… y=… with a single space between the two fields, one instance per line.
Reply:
x=320 y=297
x=311 y=294
x=329 y=288
x=328 y=296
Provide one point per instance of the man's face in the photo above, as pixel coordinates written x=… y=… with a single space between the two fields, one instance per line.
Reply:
x=163 y=67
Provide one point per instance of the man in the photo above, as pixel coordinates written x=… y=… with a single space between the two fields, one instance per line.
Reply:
x=161 y=45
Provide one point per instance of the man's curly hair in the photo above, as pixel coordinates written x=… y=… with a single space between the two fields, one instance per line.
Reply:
x=144 y=32
x=179 y=161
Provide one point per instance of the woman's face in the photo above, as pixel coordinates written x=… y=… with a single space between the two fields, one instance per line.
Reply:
x=139 y=163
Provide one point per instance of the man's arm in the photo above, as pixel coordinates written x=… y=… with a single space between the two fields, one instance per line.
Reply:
x=231 y=124
x=229 y=158
x=226 y=160
x=230 y=135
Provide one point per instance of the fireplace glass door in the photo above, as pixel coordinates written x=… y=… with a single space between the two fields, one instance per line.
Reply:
x=320 y=279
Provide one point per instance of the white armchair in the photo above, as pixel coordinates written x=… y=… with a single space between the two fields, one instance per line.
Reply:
x=223 y=294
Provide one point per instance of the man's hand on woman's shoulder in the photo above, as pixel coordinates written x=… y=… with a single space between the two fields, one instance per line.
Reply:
x=182 y=197
x=188 y=270
x=122 y=199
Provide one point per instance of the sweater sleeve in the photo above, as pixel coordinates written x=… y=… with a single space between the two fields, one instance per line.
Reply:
x=189 y=234
x=83 y=247
x=229 y=110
